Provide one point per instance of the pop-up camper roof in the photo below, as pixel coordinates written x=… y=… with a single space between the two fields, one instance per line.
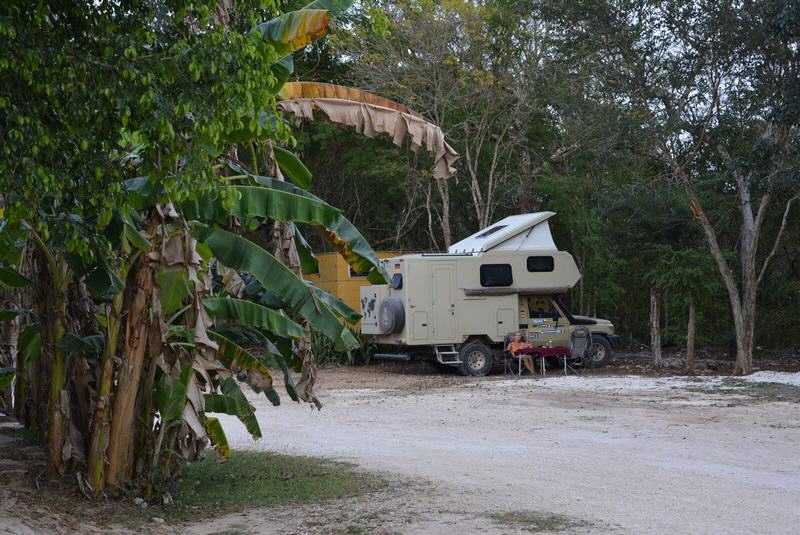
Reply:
x=524 y=232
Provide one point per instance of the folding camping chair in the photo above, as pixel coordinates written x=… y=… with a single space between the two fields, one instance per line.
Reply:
x=511 y=364
x=579 y=343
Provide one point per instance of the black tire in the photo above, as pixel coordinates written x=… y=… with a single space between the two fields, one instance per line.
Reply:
x=599 y=354
x=476 y=359
x=391 y=315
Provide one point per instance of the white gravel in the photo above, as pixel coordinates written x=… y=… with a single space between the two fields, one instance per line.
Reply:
x=624 y=454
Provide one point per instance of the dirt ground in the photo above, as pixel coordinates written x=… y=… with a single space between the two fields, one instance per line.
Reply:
x=601 y=454
x=610 y=452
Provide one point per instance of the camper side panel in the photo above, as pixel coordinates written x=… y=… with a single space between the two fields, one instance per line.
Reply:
x=484 y=315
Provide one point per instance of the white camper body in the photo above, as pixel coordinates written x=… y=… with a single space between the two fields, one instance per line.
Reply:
x=479 y=289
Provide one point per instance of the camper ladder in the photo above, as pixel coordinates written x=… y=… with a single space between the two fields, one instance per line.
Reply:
x=447 y=354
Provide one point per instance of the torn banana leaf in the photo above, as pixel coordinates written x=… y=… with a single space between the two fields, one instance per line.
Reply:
x=295 y=29
x=232 y=401
x=263 y=203
x=342 y=234
x=217 y=435
x=252 y=315
x=250 y=368
x=308 y=262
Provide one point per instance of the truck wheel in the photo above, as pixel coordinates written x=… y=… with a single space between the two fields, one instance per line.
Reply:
x=391 y=315
x=599 y=354
x=476 y=359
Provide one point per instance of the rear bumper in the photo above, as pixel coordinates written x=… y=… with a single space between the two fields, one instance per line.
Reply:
x=615 y=340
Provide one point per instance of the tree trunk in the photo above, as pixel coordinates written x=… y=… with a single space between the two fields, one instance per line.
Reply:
x=444 y=193
x=100 y=419
x=133 y=352
x=9 y=335
x=655 y=326
x=690 y=338
x=744 y=321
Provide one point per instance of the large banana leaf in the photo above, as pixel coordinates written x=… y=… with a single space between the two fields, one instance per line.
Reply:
x=246 y=336
x=232 y=401
x=342 y=234
x=243 y=255
x=292 y=167
x=217 y=435
x=29 y=344
x=252 y=315
x=312 y=90
x=72 y=343
x=308 y=262
x=294 y=30
x=284 y=67
x=10 y=277
x=339 y=307
x=259 y=202
x=248 y=367
x=175 y=286
x=171 y=398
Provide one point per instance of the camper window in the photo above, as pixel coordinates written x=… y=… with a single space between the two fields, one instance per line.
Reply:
x=397 y=281
x=493 y=275
x=490 y=231
x=540 y=264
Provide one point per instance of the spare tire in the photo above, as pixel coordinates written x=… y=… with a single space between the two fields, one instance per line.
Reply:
x=391 y=315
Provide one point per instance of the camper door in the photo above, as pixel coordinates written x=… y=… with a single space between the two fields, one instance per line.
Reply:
x=443 y=302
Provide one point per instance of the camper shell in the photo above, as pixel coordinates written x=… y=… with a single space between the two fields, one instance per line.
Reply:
x=504 y=278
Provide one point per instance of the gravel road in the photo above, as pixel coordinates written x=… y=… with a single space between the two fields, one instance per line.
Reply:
x=614 y=454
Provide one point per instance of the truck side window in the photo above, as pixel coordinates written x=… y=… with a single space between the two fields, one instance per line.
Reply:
x=540 y=264
x=493 y=275
x=541 y=308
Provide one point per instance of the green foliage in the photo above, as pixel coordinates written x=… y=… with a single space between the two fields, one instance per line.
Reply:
x=10 y=277
x=72 y=343
x=171 y=395
x=7 y=376
x=291 y=165
x=252 y=315
x=94 y=95
x=231 y=401
x=241 y=254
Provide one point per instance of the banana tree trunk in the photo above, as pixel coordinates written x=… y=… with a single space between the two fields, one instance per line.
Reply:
x=100 y=420
x=9 y=334
x=136 y=331
x=53 y=283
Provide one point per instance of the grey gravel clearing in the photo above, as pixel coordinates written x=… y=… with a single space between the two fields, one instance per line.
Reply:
x=605 y=454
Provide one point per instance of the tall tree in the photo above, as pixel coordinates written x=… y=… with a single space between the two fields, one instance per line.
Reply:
x=713 y=86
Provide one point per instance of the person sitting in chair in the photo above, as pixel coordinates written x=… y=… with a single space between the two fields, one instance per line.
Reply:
x=521 y=350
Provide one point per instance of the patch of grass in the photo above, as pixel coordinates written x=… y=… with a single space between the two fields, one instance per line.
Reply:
x=536 y=522
x=262 y=479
